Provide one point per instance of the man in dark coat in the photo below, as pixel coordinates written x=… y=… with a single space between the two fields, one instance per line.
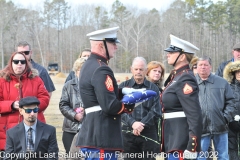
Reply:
x=236 y=57
x=142 y=122
x=31 y=139
x=217 y=104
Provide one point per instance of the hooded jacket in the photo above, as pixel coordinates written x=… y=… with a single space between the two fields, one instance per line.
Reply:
x=234 y=127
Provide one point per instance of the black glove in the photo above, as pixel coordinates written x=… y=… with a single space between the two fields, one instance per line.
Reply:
x=235 y=126
x=128 y=108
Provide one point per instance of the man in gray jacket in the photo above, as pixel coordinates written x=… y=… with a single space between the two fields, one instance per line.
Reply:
x=217 y=103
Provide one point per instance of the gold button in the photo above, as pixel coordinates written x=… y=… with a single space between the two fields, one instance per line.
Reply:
x=193 y=144
x=193 y=150
x=193 y=138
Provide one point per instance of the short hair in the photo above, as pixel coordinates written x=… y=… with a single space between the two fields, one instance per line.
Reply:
x=84 y=50
x=78 y=64
x=155 y=64
x=140 y=59
x=205 y=58
x=23 y=44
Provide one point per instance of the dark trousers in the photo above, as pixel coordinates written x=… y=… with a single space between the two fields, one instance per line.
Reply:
x=67 y=138
x=139 y=147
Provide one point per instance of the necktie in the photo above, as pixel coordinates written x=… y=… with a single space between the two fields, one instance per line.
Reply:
x=30 y=145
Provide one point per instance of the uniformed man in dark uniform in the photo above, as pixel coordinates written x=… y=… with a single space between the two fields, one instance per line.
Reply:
x=101 y=129
x=182 y=124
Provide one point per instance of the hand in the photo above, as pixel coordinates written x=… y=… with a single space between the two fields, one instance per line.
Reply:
x=126 y=90
x=236 y=118
x=138 y=126
x=16 y=105
x=79 y=110
x=189 y=155
x=79 y=116
x=136 y=132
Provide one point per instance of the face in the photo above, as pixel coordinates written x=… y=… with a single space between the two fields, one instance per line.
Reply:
x=21 y=64
x=155 y=74
x=85 y=54
x=139 y=70
x=204 y=69
x=112 y=48
x=237 y=75
x=236 y=54
x=171 y=57
x=26 y=48
x=29 y=118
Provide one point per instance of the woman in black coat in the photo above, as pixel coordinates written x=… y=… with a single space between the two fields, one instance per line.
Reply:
x=232 y=75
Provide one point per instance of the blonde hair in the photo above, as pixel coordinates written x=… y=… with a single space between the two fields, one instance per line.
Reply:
x=78 y=64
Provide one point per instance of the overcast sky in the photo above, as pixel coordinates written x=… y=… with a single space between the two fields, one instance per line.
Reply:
x=148 y=4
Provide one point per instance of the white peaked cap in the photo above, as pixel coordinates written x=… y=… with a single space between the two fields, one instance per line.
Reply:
x=180 y=45
x=109 y=34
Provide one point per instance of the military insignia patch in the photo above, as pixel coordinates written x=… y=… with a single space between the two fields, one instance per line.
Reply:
x=109 y=84
x=187 y=89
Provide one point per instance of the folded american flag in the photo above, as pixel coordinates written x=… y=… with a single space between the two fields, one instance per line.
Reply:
x=137 y=97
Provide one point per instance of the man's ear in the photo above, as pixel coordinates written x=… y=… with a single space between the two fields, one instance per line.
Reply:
x=20 y=111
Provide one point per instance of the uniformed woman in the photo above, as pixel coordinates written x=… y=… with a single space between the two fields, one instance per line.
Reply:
x=182 y=119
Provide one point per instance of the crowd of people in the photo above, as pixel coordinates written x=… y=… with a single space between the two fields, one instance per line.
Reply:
x=194 y=114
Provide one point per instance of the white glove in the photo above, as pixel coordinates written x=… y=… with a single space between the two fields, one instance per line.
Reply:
x=190 y=155
x=126 y=90
x=237 y=118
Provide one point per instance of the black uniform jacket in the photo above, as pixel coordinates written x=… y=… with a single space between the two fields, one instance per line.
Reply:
x=98 y=86
x=181 y=94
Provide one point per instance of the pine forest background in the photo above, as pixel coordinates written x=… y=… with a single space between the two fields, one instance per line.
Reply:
x=57 y=32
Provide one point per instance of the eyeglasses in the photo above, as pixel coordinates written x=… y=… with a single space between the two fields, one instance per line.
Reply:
x=194 y=67
x=26 y=52
x=16 y=61
x=28 y=110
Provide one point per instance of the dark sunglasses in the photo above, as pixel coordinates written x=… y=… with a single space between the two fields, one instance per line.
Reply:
x=27 y=110
x=15 y=61
x=26 y=52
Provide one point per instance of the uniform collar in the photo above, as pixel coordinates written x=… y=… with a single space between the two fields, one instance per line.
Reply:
x=100 y=57
x=174 y=72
